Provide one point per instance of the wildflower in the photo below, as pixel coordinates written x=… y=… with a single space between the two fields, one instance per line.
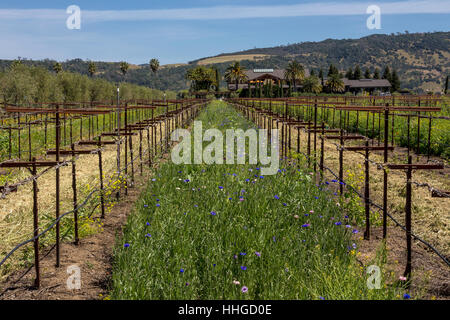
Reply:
x=338 y=223
x=126 y=245
x=348 y=226
x=187 y=180
x=220 y=187
x=243 y=253
x=321 y=298
x=277 y=197
x=145 y=205
x=401 y=278
x=182 y=270
x=241 y=199
x=306 y=214
x=258 y=254
x=311 y=211
x=213 y=213
x=406 y=296
x=187 y=283
x=355 y=231
x=274 y=239
x=306 y=225
x=284 y=204
x=316 y=198
x=244 y=289
x=158 y=205
x=148 y=223
x=296 y=216
x=236 y=282
x=243 y=268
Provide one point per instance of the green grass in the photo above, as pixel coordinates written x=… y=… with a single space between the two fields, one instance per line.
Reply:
x=178 y=249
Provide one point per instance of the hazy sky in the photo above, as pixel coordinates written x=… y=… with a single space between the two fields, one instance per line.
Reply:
x=179 y=31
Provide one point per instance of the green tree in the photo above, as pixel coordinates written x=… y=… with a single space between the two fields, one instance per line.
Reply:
x=154 y=65
x=124 y=66
x=446 y=85
x=18 y=85
x=376 y=74
x=335 y=83
x=92 y=68
x=387 y=74
x=321 y=77
x=367 y=74
x=312 y=84
x=57 y=67
x=395 y=82
x=201 y=77
x=332 y=70
x=235 y=73
x=357 y=74
x=294 y=72
x=349 y=74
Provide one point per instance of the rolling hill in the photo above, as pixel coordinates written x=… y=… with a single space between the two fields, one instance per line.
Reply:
x=422 y=60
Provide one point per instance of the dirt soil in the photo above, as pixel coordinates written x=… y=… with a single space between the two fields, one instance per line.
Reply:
x=430 y=275
x=93 y=256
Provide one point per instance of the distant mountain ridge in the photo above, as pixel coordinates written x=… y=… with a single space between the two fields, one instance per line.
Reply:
x=422 y=60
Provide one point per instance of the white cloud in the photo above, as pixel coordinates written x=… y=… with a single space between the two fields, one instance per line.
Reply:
x=235 y=12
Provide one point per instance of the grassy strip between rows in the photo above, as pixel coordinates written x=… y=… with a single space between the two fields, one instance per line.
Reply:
x=226 y=232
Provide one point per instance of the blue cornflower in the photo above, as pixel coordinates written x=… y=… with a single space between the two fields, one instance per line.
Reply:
x=126 y=245
x=243 y=268
x=406 y=296
x=243 y=253
x=187 y=180
x=148 y=235
x=158 y=205
x=182 y=270
x=284 y=204
x=316 y=197
x=355 y=231
x=220 y=187
x=145 y=205
x=277 y=197
x=321 y=298
x=148 y=223
x=338 y=223
x=213 y=213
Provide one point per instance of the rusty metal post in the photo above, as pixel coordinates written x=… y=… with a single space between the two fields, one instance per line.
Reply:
x=100 y=169
x=341 y=163
x=37 y=280
x=140 y=150
x=429 y=139
x=367 y=192
x=408 y=219
x=322 y=152
x=315 y=136
x=75 y=200
x=385 y=174
x=58 y=132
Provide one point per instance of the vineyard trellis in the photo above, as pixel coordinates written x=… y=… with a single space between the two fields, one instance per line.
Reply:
x=138 y=115
x=302 y=114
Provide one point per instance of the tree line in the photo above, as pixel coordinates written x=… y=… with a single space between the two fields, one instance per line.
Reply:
x=23 y=84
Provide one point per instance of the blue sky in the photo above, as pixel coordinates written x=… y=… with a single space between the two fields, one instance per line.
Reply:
x=179 y=31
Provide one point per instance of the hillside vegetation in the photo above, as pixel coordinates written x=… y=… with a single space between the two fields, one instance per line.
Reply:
x=422 y=60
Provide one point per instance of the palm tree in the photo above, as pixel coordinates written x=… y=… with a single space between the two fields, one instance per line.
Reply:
x=293 y=72
x=57 y=67
x=154 y=65
x=124 y=66
x=335 y=83
x=235 y=73
x=312 y=84
x=92 y=68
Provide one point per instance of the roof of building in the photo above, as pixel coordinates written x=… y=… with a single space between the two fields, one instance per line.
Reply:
x=367 y=83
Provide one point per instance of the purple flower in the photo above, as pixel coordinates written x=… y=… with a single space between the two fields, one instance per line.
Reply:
x=158 y=205
x=355 y=231
x=284 y=204
x=338 y=223
x=277 y=197
x=145 y=205
x=148 y=235
x=406 y=296
x=148 y=223
x=244 y=289
x=258 y=254
x=213 y=213
x=316 y=198
x=306 y=225
x=181 y=270
x=126 y=245
x=220 y=187
x=243 y=268
x=187 y=180
x=321 y=298
x=243 y=253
